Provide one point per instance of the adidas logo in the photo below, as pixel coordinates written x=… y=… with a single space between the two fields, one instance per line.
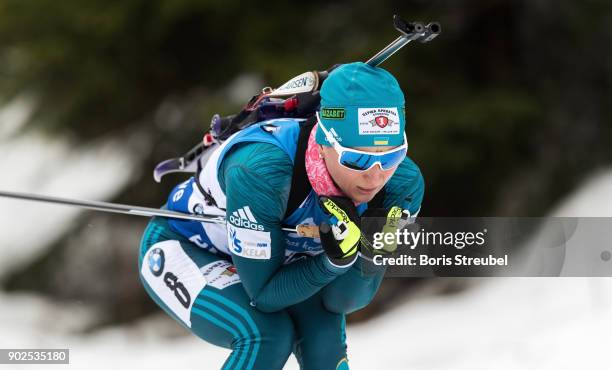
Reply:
x=243 y=217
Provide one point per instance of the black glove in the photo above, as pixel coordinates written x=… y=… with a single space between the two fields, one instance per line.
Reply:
x=378 y=222
x=340 y=237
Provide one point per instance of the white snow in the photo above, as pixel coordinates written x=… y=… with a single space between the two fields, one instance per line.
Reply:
x=509 y=323
x=593 y=200
x=504 y=323
x=15 y=114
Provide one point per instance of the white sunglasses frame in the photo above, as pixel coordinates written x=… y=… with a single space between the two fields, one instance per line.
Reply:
x=339 y=148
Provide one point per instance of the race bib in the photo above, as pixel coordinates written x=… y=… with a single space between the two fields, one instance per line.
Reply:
x=173 y=276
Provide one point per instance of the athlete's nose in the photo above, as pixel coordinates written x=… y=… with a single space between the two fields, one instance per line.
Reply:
x=375 y=175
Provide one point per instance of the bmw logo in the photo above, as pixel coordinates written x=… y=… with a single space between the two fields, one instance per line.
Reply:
x=198 y=209
x=156 y=261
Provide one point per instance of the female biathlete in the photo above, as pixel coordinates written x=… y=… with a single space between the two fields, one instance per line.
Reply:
x=263 y=292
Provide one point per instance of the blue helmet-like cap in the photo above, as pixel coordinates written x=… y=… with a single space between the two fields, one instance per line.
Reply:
x=362 y=105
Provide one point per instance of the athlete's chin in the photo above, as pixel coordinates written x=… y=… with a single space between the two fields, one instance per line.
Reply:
x=363 y=196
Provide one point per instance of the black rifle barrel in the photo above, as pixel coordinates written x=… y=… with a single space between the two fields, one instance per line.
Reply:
x=410 y=31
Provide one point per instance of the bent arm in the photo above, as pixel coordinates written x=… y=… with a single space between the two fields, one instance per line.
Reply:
x=257 y=180
x=356 y=289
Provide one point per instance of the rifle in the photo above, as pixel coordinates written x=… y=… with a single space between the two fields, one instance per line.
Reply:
x=296 y=98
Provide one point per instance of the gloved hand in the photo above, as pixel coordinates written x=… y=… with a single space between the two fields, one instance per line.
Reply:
x=382 y=221
x=340 y=237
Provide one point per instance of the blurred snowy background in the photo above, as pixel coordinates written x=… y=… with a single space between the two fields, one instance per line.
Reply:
x=508 y=116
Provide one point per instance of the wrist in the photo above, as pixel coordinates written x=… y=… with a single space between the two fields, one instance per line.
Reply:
x=342 y=263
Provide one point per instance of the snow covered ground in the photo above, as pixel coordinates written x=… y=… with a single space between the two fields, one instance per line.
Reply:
x=501 y=323
x=509 y=323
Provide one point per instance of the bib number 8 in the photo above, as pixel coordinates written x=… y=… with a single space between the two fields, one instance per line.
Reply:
x=180 y=292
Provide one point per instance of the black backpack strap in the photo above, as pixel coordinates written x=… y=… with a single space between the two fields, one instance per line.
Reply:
x=300 y=186
x=210 y=200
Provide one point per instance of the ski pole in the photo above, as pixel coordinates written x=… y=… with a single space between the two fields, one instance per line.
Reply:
x=308 y=231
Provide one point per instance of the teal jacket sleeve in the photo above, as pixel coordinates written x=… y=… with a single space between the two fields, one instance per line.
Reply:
x=257 y=179
x=356 y=289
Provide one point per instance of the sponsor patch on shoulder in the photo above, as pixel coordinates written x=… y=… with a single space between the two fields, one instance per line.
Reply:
x=220 y=274
x=249 y=243
x=378 y=121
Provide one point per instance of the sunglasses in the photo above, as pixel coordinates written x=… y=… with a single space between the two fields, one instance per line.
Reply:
x=360 y=161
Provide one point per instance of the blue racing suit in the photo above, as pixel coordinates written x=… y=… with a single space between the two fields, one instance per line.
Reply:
x=252 y=287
